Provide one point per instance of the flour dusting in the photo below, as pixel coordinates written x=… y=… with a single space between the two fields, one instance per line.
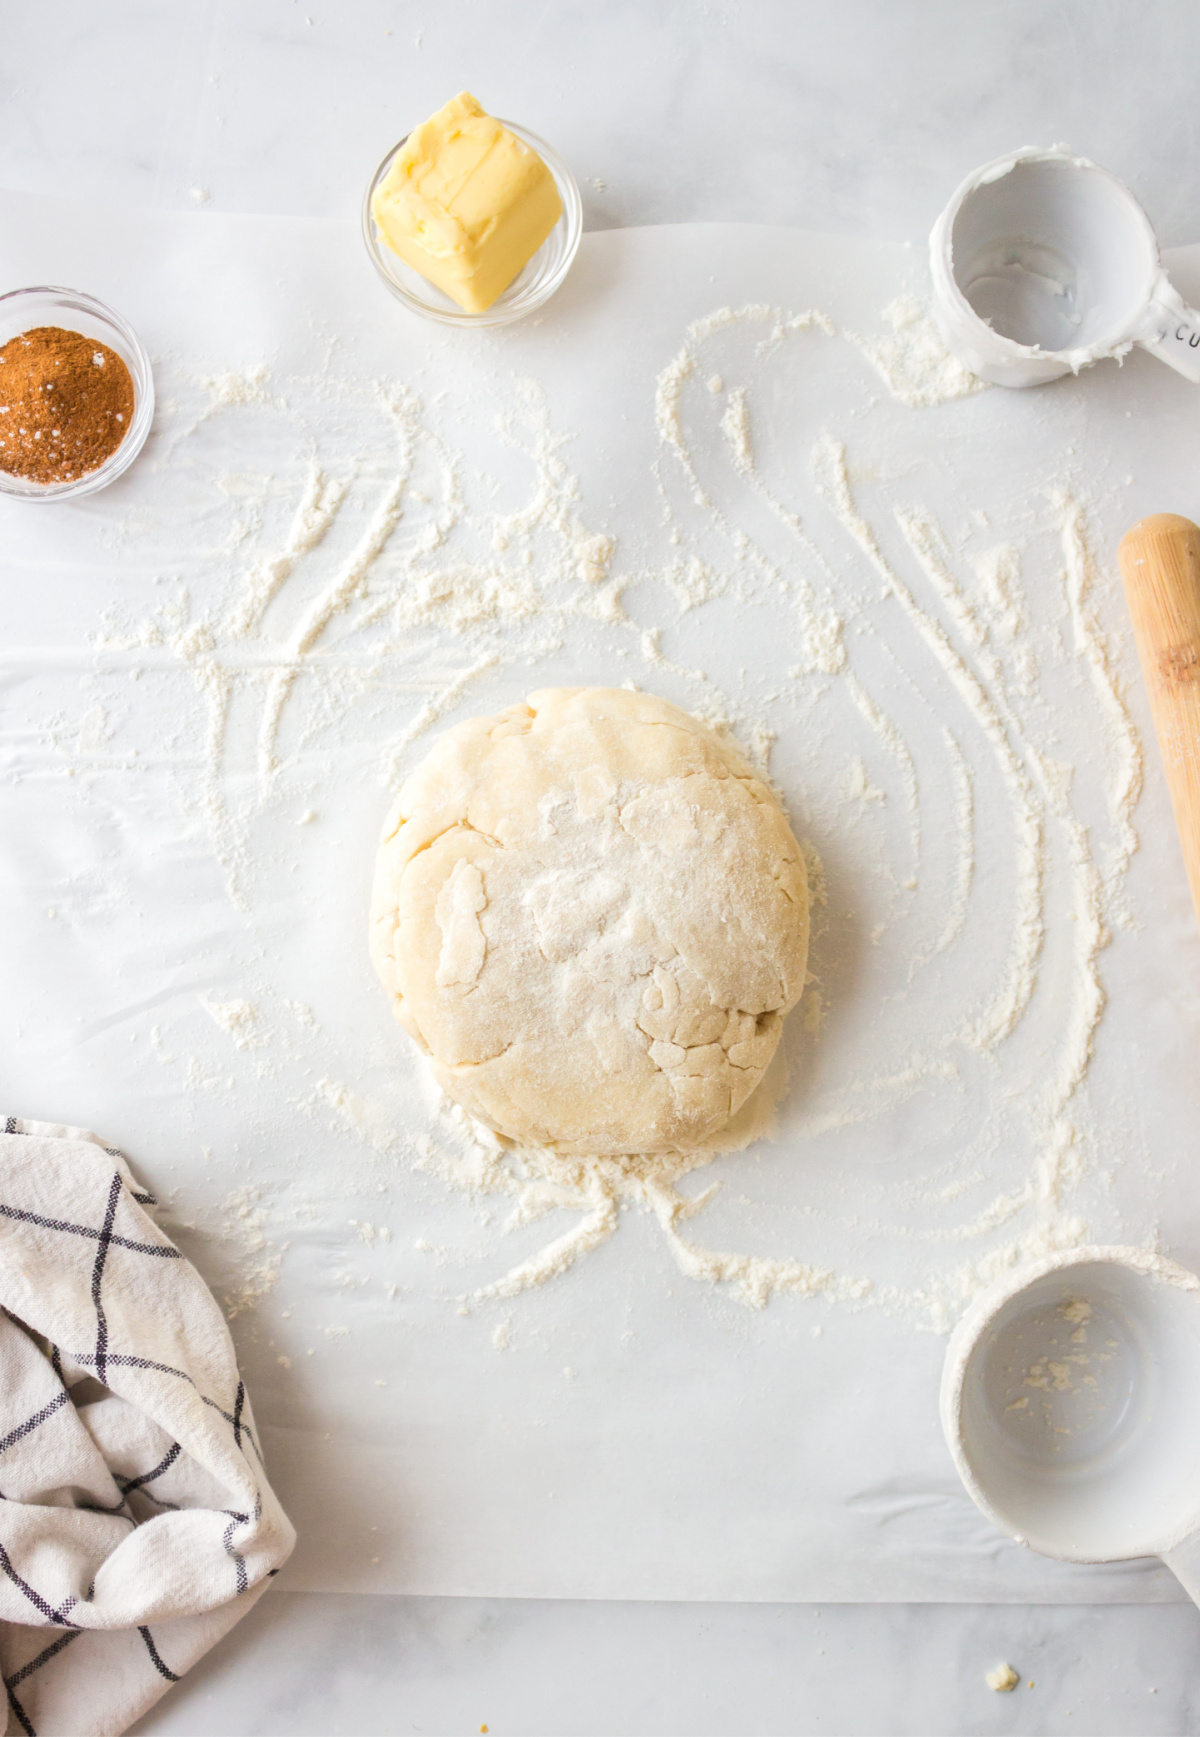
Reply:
x=963 y=900
x=913 y=360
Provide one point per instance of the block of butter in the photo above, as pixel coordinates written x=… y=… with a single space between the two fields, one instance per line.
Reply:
x=466 y=204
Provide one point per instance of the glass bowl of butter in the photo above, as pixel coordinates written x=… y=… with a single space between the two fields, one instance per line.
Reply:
x=424 y=230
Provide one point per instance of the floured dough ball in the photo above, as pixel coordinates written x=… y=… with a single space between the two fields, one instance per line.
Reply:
x=592 y=917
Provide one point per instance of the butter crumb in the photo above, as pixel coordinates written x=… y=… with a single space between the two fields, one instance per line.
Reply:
x=1003 y=1679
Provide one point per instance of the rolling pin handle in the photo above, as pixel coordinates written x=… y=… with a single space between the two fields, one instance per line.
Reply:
x=1160 y=565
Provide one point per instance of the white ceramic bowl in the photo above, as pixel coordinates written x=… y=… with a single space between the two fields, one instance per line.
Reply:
x=1071 y=1403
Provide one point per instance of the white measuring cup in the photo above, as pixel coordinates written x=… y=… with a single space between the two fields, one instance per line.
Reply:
x=1071 y=1402
x=1043 y=263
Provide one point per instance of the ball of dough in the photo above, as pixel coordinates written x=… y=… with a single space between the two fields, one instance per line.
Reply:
x=592 y=917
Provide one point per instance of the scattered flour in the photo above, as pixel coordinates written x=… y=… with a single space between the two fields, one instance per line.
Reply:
x=991 y=684
x=243 y=1226
x=318 y=508
x=370 y=1233
x=1001 y=1016
x=1125 y=752
x=370 y=562
x=364 y=1121
x=913 y=362
x=238 y=1018
x=346 y=584
x=230 y=388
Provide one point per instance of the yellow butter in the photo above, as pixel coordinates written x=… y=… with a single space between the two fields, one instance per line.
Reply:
x=466 y=204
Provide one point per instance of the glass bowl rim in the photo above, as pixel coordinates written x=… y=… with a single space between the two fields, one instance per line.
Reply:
x=572 y=218
x=20 y=488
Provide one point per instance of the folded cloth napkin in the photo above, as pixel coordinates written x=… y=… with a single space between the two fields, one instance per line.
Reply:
x=136 y=1522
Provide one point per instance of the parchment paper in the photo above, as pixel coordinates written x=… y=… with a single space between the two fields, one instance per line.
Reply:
x=624 y=1431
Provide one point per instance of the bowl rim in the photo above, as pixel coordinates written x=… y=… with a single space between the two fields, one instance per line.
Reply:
x=20 y=488
x=961 y=1362
x=445 y=313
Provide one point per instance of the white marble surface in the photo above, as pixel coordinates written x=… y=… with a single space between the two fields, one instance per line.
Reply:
x=375 y=1665
x=855 y=116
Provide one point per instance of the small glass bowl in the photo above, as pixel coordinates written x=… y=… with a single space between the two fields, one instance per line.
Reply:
x=20 y=311
x=532 y=286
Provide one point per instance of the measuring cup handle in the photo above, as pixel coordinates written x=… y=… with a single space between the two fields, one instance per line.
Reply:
x=1171 y=331
x=1184 y=1563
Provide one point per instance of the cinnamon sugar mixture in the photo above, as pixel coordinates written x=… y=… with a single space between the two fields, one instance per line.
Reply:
x=66 y=403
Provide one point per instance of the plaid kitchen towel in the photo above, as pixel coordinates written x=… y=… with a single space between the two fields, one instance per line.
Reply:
x=136 y=1522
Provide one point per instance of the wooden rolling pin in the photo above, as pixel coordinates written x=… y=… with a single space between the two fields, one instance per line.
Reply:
x=1160 y=564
